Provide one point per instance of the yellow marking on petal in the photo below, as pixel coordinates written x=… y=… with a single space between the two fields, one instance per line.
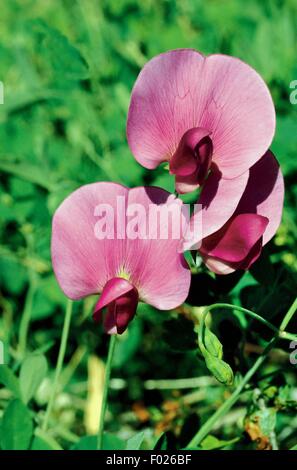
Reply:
x=123 y=274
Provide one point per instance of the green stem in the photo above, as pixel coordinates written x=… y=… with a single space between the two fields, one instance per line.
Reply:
x=206 y=428
x=112 y=343
x=288 y=317
x=288 y=336
x=60 y=361
x=280 y=331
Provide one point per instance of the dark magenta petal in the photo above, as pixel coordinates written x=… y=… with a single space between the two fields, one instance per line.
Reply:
x=204 y=151
x=185 y=159
x=125 y=309
x=191 y=161
x=219 y=266
x=253 y=255
x=235 y=240
x=121 y=299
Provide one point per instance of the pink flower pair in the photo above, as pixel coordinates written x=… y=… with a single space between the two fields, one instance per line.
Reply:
x=212 y=119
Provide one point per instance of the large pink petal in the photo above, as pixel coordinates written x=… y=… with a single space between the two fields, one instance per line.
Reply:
x=242 y=112
x=180 y=90
x=264 y=194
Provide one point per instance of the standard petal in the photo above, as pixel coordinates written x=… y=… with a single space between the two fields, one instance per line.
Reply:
x=83 y=263
x=181 y=90
x=241 y=111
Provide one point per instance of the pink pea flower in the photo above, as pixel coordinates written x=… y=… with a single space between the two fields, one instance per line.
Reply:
x=200 y=114
x=233 y=233
x=122 y=269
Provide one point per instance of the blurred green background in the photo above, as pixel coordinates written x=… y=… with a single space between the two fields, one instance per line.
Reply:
x=68 y=67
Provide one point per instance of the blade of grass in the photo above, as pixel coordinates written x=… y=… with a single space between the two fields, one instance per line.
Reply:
x=61 y=355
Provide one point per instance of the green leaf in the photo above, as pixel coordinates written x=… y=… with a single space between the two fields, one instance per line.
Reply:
x=134 y=443
x=9 y=380
x=267 y=420
x=86 y=443
x=166 y=441
x=44 y=441
x=212 y=443
x=33 y=371
x=40 y=444
x=16 y=428
x=110 y=442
